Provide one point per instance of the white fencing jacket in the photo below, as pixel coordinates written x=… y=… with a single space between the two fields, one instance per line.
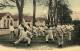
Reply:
x=11 y=28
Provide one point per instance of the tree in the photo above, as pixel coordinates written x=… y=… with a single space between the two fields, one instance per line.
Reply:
x=20 y=6
x=42 y=2
x=58 y=11
x=5 y=4
x=52 y=13
x=63 y=12
x=34 y=12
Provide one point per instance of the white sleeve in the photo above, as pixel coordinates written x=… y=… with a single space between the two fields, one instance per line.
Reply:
x=29 y=32
x=19 y=26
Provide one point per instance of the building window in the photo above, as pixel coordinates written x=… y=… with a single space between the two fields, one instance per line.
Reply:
x=7 y=23
x=4 y=23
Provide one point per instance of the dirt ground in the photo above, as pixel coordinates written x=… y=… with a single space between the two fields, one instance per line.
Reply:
x=40 y=46
x=74 y=48
x=36 y=45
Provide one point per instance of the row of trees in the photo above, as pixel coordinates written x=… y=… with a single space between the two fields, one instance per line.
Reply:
x=59 y=12
x=60 y=8
x=64 y=12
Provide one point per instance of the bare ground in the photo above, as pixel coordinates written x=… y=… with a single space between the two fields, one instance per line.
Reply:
x=73 y=48
x=38 y=44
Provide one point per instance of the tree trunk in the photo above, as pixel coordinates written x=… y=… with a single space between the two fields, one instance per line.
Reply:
x=20 y=5
x=34 y=12
x=20 y=16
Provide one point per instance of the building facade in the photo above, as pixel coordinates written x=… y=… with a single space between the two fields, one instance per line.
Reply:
x=5 y=20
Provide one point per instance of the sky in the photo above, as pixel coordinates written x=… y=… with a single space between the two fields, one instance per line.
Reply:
x=74 y=5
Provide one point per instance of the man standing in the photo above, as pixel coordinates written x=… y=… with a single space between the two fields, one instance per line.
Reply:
x=50 y=34
x=41 y=30
x=12 y=34
x=59 y=35
x=70 y=28
x=20 y=29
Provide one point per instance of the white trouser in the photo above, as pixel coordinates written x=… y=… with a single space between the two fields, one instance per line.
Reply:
x=11 y=35
x=21 y=38
x=54 y=34
x=69 y=36
x=41 y=33
x=35 y=33
x=31 y=36
x=60 y=40
x=49 y=36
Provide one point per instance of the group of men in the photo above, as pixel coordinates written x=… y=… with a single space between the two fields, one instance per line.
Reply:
x=27 y=32
x=63 y=31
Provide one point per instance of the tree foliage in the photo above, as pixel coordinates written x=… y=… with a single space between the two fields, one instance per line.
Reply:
x=6 y=3
x=20 y=6
x=64 y=13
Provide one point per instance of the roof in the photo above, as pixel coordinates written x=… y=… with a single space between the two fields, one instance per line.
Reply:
x=16 y=17
x=40 y=19
x=3 y=14
x=27 y=18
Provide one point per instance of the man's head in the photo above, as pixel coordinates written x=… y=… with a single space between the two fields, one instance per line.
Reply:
x=25 y=28
x=28 y=24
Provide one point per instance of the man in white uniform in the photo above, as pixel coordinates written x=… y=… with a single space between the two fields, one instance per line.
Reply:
x=25 y=35
x=45 y=30
x=12 y=34
x=59 y=35
x=35 y=31
x=49 y=35
x=41 y=30
x=70 y=28
x=28 y=27
x=20 y=29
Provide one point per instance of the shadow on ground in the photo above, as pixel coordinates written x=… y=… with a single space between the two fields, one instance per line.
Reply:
x=36 y=42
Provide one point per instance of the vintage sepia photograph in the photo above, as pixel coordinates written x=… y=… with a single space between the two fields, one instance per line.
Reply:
x=28 y=25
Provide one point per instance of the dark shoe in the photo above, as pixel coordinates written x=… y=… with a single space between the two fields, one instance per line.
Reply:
x=53 y=41
x=31 y=38
x=47 y=41
x=60 y=46
x=14 y=44
x=28 y=44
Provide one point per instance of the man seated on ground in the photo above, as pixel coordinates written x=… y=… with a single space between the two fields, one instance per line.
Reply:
x=25 y=35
